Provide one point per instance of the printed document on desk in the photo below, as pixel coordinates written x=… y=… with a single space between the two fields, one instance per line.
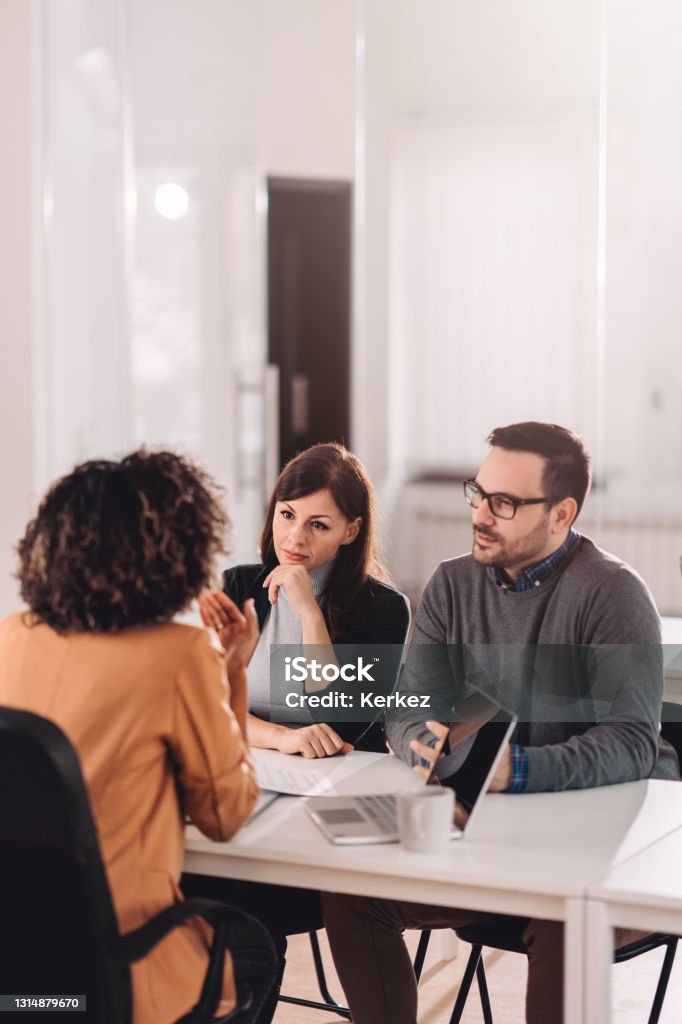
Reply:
x=359 y=773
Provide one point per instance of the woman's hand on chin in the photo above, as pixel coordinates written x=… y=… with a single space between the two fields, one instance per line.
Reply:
x=296 y=581
x=317 y=740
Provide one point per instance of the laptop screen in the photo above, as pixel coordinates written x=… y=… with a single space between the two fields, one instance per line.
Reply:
x=471 y=779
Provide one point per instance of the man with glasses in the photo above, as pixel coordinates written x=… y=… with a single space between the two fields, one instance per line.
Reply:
x=544 y=623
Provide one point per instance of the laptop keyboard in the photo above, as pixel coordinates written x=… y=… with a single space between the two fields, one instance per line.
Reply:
x=381 y=810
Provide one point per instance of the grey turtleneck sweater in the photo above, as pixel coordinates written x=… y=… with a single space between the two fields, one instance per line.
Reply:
x=578 y=658
x=282 y=626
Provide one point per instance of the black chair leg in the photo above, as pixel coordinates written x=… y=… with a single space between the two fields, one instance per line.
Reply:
x=664 y=978
x=465 y=987
x=328 y=1001
x=319 y=969
x=483 y=992
x=421 y=953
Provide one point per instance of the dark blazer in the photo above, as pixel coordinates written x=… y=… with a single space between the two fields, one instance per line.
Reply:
x=380 y=615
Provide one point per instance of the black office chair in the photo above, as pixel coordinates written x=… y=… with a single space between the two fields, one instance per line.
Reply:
x=58 y=926
x=328 y=1002
x=510 y=939
x=671 y=726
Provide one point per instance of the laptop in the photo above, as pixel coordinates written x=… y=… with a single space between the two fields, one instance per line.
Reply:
x=348 y=820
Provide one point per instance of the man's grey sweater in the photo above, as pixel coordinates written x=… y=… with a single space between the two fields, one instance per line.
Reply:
x=578 y=658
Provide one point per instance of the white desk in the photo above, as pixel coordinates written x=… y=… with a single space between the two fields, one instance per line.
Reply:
x=645 y=892
x=531 y=855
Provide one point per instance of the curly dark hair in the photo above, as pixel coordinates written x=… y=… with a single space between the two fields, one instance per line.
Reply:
x=119 y=544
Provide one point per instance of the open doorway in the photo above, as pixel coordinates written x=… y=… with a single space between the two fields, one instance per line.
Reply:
x=309 y=309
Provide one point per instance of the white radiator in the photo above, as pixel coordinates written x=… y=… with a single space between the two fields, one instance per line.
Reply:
x=654 y=551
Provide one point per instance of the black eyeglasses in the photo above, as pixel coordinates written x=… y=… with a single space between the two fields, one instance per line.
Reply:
x=501 y=505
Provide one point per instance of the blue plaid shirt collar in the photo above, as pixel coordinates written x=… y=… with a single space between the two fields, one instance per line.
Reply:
x=536 y=574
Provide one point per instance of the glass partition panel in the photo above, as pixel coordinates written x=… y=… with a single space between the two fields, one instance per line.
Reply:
x=519 y=258
x=479 y=167
x=482 y=131
x=641 y=514
x=197 y=272
x=85 y=306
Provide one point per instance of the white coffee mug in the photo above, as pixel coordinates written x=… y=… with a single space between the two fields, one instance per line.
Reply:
x=425 y=819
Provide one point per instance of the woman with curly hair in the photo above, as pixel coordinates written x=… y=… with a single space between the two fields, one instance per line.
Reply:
x=115 y=551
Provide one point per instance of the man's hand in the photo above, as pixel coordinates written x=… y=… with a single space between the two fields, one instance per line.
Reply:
x=427 y=753
x=502 y=777
x=237 y=631
x=317 y=740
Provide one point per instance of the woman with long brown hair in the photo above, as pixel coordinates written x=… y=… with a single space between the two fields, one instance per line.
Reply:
x=320 y=583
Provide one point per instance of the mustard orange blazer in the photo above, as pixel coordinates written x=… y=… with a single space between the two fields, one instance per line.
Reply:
x=147 y=712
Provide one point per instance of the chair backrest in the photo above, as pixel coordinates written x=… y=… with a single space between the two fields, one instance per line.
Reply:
x=57 y=921
x=671 y=726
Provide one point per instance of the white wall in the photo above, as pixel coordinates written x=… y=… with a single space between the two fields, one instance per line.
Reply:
x=309 y=67
x=274 y=75
x=482 y=126
x=17 y=55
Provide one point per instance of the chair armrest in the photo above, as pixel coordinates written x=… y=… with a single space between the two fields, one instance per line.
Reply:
x=245 y=937
x=135 y=945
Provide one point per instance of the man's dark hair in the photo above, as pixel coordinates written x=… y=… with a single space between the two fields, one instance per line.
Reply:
x=119 y=544
x=567 y=464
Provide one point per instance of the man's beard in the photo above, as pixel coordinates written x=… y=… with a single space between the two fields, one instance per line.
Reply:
x=522 y=551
